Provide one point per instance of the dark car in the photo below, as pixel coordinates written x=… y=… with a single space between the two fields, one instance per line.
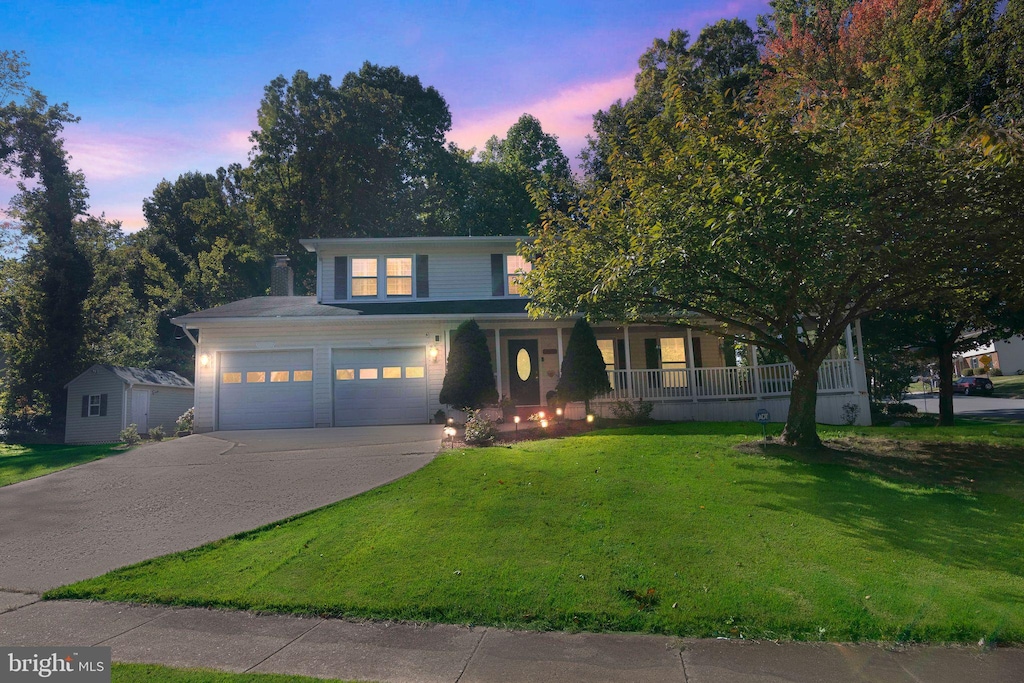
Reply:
x=974 y=385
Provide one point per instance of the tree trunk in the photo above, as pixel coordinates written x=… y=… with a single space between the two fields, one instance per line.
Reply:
x=946 y=384
x=801 y=427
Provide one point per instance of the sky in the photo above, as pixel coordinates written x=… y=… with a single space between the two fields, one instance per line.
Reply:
x=163 y=88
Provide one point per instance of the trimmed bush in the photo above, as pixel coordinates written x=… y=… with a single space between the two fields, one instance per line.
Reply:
x=900 y=409
x=633 y=412
x=186 y=421
x=129 y=436
x=469 y=381
x=583 y=374
x=157 y=433
x=969 y=372
x=996 y=372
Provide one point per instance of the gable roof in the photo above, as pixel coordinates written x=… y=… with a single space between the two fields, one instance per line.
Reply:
x=140 y=376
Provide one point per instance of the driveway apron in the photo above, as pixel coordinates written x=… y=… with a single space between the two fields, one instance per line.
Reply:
x=171 y=496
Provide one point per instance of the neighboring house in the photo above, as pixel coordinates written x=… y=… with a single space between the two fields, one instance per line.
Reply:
x=370 y=348
x=1005 y=354
x=105 y=399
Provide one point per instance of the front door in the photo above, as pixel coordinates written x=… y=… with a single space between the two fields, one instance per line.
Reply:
x=523 y=372
x=140 y=410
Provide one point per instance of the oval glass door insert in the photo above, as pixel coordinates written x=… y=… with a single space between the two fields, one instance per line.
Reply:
x=523 y=368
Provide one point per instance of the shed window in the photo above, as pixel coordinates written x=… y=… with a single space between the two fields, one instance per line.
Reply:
x=94 y=405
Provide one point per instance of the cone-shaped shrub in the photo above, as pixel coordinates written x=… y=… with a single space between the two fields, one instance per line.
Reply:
x=469 y=381
x=583 y=372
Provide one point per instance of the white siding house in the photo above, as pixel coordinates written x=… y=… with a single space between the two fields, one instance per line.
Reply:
x=105 y=399
x=371 y=346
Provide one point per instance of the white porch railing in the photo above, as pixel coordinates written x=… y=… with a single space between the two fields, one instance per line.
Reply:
x=834 y=376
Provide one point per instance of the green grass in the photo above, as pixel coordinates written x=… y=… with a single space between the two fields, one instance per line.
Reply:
x=18 y=463
x=910 y=534
x=1009 y=386
x=154 y=673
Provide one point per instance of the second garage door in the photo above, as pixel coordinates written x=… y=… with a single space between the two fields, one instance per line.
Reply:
x=266 y=390
x=379 y=386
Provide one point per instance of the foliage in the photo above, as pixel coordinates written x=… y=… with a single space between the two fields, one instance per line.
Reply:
x=28 y=416
x=851 y=411
x=719 y=533
x=998 y=372
x=129 y=436
x=469 y=380
x=186 y=422
x=583 y=374
x=479 y=429
x=633 y=412
x=900 y=408
x=774 y=213
x=156 y=433
x=968 y=372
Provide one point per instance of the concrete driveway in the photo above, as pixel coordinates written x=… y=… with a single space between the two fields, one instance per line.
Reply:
x=160 y=498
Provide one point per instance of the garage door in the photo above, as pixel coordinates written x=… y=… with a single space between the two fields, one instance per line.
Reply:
x=266 y=390
x=379 y=387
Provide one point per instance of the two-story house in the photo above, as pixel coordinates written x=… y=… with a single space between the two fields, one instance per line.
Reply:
x=371 y=347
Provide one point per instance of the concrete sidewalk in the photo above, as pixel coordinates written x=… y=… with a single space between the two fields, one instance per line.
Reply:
x=381 y=651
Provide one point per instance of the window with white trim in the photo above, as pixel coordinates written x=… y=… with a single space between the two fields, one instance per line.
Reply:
x=515 y=267
x=399 y=276
x=364 y=277
x=94 y=405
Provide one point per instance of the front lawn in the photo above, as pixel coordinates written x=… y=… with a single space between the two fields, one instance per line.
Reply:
x=21 y=462
x=917 y=535
x=1009 y=386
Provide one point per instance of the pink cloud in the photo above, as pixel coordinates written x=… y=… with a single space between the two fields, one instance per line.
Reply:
x=568 y=114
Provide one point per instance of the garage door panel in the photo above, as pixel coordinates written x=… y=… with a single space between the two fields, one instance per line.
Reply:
x=384 y=389
x=268 y=404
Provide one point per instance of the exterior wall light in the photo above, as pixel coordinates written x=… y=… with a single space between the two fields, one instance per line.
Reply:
x=432 y=352
x=204 y=359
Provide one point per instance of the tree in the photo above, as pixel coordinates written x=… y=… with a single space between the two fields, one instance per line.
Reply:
x=583 y=373
x=824 y=193
x=44 y=327
x=469 y=381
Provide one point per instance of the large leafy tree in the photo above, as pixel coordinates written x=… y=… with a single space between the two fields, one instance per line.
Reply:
x=827 y=191
x=43 y=325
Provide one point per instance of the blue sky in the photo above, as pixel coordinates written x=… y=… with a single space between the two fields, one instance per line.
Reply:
x=167 y=87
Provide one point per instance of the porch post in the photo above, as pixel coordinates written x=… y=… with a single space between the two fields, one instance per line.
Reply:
x=629 y=363
x=558 y=334
x=860 y=342
x=497 y=359
x=690 y=370
x=849 y=356
x=757 y=371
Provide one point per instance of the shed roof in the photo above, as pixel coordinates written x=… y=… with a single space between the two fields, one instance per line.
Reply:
x=164 y=378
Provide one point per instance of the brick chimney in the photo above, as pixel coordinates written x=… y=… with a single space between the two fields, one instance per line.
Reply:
x=282 y=278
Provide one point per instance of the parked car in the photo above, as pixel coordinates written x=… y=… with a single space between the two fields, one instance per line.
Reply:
x=974 y=385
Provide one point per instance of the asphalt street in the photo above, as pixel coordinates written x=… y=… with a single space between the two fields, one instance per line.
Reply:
x=972 y=406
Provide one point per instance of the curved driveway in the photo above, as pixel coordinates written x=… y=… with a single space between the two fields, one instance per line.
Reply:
x=170 y=496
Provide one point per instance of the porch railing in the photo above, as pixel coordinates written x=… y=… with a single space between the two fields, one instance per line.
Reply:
x=834 y=376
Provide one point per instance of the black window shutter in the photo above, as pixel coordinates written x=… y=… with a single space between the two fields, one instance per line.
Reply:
x=341 y=277
x=422 y=277
x=85 y=405
x=103 y=405
x=497 y=275
x=697 y=361
x=651 y=354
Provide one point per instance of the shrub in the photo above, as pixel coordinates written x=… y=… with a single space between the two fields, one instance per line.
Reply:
x=850 y=413
x=186 y=421
x=637 y=412
x=469 y=380
x=583 y=375
x=479 y=429
x=30 y=416
x=440 y=417
x=157 y=433
x=969 y=372
x=900 y=409
x=129 y=436
x=997 y=372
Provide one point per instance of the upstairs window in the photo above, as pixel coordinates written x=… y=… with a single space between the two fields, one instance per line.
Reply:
x=364 y=277
x=515 y=266
x=399 y=277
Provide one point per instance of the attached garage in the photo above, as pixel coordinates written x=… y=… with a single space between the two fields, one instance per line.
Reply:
x=265 y=390
x=379 y=386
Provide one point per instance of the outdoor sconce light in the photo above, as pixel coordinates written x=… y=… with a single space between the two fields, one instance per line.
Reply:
x=449 y=433
x=204 y=359
x=432 y=351
x=544 y=424
x=558 y=412
x=590 y=418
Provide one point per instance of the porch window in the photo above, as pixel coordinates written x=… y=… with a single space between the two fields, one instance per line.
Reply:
x=673 y=352
x=607 y=347
x=364 y=277
x=399 y=277
x=515 y=266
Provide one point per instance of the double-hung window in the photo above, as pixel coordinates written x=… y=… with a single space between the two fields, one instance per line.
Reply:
x=364 y=277
x=94 y=405
x=399 y=276
x=515 y=266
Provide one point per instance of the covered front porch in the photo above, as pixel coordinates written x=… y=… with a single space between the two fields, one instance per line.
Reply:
x=686 y=372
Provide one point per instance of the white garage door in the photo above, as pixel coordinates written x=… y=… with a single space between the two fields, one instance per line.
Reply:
x=380 y=387
x=266 y=390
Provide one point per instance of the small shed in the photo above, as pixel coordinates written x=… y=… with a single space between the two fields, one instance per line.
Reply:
x=105 y=399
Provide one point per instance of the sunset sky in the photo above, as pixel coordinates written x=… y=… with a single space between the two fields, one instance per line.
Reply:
x=168 y=87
